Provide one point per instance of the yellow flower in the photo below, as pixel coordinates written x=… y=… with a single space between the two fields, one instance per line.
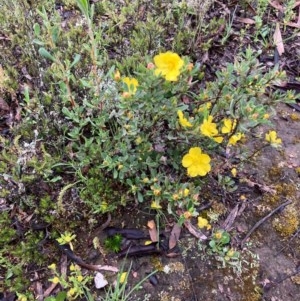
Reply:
x=182 y=120
x=71 y=292
x=209 y=129
x=21 y=297
x=131 y=84
x=168 y=65
x=175 y=196
x=103 y=206
x=271 y=137
x=218 y=139
x=52 y=266
x=146 y=180
x=79 y=278
x=266 y=116
x=229 y=126
x=123 y=277
x=202 y=222
x=230 y=253
x=117 y=75
x=155 y=205
x=234 y=172
x=243 y=197
x=187 y=214
x=197 y=163
x=218 y=235
x=185 y=192
x=66 y=238
x=235 y=138
x=138 y=140
x=156 y=192
x=54 y=280
x=204 y=107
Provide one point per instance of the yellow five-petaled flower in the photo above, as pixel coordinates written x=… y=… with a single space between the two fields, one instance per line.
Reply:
x=182 y=120
x=235 y=138
x=209 y=129
x=203 y=223
x=155 y=205
x=168 y=65
x=131 y=84
x=228 y=126
x=197 y=163
x=271 y=137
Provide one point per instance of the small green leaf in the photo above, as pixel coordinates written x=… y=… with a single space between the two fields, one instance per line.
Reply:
x=46 y=54
x=140 y=197
x=37 y=29
x=212 y=244
x=84 y=7
x=9 y=274
x=76 y=60
x=38 y=42
x=61 y=296
x=55 y=34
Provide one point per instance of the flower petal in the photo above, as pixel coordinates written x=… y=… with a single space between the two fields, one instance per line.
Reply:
x=187 y=160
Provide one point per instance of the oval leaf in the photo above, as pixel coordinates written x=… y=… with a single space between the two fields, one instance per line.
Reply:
x=46 y=54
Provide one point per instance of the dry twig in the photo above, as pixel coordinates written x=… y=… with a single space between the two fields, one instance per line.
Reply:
x=263 y=220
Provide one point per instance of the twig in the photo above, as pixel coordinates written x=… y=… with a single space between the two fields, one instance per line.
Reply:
x=263 y=220
x=67 y=251
x=292 y=237
x=103 y=226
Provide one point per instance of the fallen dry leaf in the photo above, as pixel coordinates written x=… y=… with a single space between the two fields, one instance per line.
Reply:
x=106 y=268
x=292 y=24
x=276 y=5
x=172 y=255
x=264 y=188
x=278 y=40
x=38 y=288
x=197 y=233
x=152 y=230
x=50 y=289
x=175 y=233
x=245 y=20
x=230 y=218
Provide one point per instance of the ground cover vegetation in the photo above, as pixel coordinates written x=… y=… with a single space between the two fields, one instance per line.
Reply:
x=111 y=105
